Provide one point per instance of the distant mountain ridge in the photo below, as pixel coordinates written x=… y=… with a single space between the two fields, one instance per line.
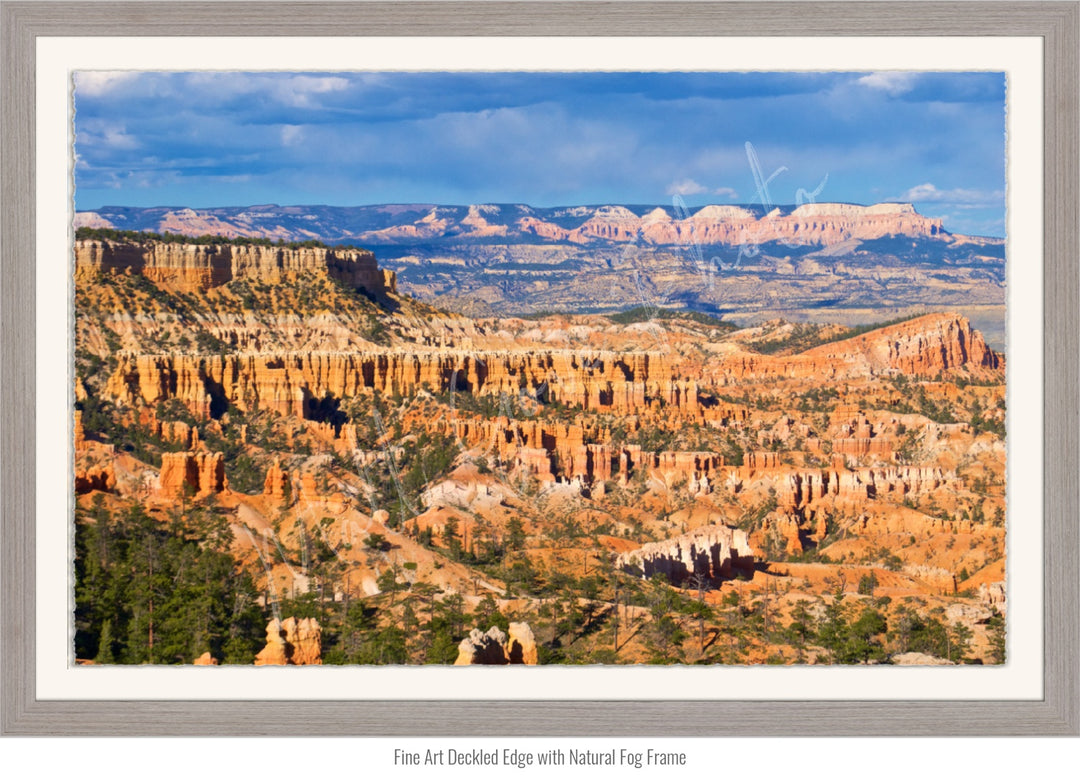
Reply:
x=809 y=225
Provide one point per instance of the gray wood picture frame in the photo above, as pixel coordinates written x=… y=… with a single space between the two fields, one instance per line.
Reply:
x=1058 y=712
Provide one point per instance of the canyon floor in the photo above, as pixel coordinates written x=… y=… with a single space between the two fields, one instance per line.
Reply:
x=642 y=486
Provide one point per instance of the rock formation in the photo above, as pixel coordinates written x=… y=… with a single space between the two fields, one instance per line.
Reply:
x=296 y=383
x=921 y=346
x=80 y=433
x=200 y=473
x=95 y=478
x=993 y=595
x=521 y=649
x=494 y=647
x=276 y=486
x=292 y=641
x=799 y=490
x=716 y=551
x=299 y=383
x=191 y=267
x=811 y=224
x=206 y=660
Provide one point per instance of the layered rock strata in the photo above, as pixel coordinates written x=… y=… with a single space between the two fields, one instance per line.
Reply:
x=196 y=473
x=811 y=224
x=191 y=267
x=924 y=345
x=801 y=489
x=551 y=451
x=716 y=551
x=297 y=383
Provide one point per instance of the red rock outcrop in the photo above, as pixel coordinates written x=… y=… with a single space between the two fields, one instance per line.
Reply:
x=926 y=345
x=201 y=473
x=80 y=434
x=756 y=460
x=206 y=660
x=276 y=486
x=191 y=267
x=494 y=647
x=295 y=383
x=715 y=551
x=178 y=432
x=96 y=478
x=799 y=490
x=922 y=346
x=625 y=383
x=292 y=641
x=550 y=451
x=785 y=528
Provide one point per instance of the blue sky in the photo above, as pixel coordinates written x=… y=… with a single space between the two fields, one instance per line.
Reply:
x=204 y=139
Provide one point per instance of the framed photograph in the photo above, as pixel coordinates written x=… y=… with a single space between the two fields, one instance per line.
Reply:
x=666 y=356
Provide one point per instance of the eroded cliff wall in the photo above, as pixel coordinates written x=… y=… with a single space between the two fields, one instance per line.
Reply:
x=192 y=267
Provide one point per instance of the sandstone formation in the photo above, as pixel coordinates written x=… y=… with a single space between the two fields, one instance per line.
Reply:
x=717 y=552
x=521 y=647
x=554 y=452
x=801 y=489
x=206 y=660
x=494 y=647
x=80 y=433
x=276 y=486
x=299 y=383
x=292 y=641
x=199 y=474
x=95 y=478
x=177 y=432
x=194 y=268
x=857 y=436
x=993 y=595
x=925 y=345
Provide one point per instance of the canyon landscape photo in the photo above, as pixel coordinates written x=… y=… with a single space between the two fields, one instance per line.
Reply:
x=539 y=368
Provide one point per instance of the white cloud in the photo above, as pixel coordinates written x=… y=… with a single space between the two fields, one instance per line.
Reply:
x=727 y=191
x=297 y=91
x=291 y=134
x=94 y=83
x=100 y=133
x=893 y=82
x=686 y=187
x=927 y=192
x=118 y=139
